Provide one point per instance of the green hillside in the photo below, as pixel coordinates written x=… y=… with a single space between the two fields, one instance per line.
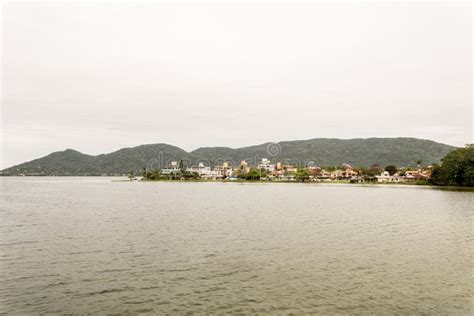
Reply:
x=319 y=151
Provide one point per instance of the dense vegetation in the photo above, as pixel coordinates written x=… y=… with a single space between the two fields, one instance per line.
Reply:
x=319 y=151
x=457 y=168
x=333 y=152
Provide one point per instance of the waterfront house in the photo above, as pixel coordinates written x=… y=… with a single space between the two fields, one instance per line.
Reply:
x=385 y=177
x=349 y=173
x=289 y=169
x=336 y=174
x=170 y=171
x=414 y=175
x=202 y=170
x=266 y=165
x=243 y=168
x=225 y=169
x=411 y=173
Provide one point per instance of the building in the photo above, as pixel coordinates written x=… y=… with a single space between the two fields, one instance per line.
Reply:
x=266 y=165
x=336 y=174
x=411 y=173
x=346 y=166
x=202 y=170
x=243 y=168
x=289 y=169
x=385 y=177
x=314 y=171
x=169 y=171
x=225 y=169
x=349 y=173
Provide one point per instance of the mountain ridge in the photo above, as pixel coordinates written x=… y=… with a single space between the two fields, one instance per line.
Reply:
x=360 y=152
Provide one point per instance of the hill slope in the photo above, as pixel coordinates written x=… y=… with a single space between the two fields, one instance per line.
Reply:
x=319 y=151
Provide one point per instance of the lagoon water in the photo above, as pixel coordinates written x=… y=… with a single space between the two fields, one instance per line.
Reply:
x=90 y=245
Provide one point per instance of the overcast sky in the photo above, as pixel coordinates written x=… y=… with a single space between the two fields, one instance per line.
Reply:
x=97 y=78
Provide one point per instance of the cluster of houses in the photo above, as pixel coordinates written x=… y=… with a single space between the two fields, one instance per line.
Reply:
x=406 y=176
x=285 y=172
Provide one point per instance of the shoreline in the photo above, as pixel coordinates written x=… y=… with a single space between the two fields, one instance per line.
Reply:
x=335 y=183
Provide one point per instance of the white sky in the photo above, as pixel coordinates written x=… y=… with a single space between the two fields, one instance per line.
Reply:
x=99 y=77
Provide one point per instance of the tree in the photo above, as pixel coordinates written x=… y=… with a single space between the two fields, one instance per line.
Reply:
x=302 y=175
x=418 y=163
x=391 y=169
x=253 y=175
x=374 y=170
x=457 y=168
x=182 y=166
x=362 y=171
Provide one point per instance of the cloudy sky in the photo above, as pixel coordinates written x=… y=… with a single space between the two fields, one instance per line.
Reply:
x=99 y=77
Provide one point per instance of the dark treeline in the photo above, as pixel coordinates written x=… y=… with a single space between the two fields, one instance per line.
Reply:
x=456 y=168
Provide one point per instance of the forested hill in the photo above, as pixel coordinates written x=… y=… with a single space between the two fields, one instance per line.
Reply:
x=319 y=151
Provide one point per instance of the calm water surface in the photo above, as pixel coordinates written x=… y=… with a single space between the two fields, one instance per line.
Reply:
x=89 y=245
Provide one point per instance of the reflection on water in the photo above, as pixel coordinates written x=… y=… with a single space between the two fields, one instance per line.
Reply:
x=89 y=245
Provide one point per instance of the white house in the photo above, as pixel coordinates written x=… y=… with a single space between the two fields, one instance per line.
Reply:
x=386 y=177
x=266 y=165
x=201 y=170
